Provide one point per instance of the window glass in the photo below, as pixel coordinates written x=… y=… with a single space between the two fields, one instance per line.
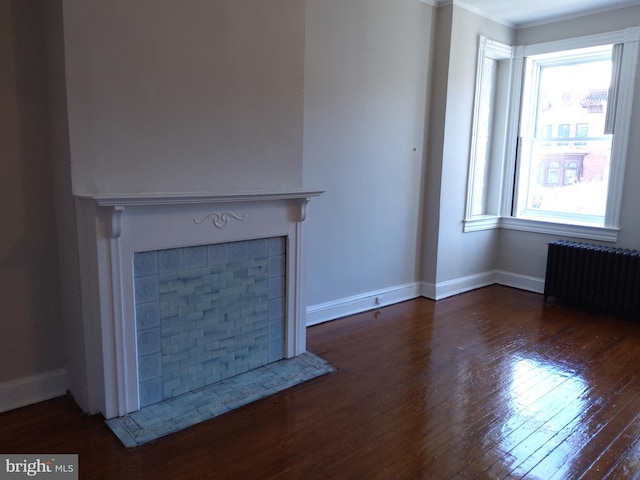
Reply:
x=568 y=176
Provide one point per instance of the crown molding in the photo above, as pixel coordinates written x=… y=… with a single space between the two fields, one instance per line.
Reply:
x=534 y=23
x=474 y=10
x=573 y=16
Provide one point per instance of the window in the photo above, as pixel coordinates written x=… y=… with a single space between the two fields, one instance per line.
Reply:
x=571 y=173
x=563 y=130
x=559 y=141
x=553 y=174
x=582 y=130
x=489 y=130
x=556 y=87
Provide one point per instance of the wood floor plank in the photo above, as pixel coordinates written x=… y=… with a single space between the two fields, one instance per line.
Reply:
x=578 y=466
x=573 y=420
x=615 y=450
x=486 y=384
x=545 y=417
x=628 y=464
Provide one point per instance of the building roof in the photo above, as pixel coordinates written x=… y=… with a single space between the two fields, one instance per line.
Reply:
x=595 y=97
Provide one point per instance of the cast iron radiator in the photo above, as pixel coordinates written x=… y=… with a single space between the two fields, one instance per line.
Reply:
x=603 y=279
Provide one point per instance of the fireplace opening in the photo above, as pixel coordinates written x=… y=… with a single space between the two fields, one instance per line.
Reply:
x=206 y=313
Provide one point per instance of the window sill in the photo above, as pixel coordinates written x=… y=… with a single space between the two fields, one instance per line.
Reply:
x=484 y=222
x=602 y=234
x=562 y=229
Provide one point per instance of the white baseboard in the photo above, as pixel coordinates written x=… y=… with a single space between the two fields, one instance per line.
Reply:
x=428 y=290
x=379 y=298
x=523 y=282
x=325 y=312
x=459 y=285
x=465 y=284
x=33 y=389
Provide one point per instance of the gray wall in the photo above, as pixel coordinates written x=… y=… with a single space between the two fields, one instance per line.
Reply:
x=366 y=80
x=69 y=280
x=450 y=254
x=184 y=96
x=431 y=196
x=31 y=339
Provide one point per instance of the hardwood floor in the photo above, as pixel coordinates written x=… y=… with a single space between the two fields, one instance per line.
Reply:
x=488 y=384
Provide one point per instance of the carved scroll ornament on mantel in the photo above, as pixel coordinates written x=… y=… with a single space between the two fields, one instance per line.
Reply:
x=220 y=220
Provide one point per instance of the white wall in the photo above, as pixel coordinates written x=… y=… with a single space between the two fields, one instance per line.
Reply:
x=525 y=253
x=194 y=95
x=366 y=66
x=459 y=257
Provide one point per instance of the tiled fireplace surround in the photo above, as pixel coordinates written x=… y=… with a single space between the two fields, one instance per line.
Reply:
x=206 y=313
x=135 y=248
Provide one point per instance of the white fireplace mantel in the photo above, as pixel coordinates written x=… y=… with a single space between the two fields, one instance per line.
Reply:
x=111 y=228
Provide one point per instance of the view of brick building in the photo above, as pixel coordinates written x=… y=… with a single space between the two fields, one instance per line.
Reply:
x=570 y=157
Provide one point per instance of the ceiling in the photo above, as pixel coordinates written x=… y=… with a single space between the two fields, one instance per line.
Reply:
x=528 y=12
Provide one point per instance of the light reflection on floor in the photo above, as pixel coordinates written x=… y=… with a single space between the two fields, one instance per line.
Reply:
x=545 y=400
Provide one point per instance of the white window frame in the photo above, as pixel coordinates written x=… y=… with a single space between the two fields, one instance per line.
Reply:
x=505 y=218
x=526 y=126
x=488 y=51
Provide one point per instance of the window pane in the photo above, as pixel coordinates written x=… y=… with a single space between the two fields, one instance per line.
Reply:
x=582 y=129
x=563 y=130
x=567 y=176
x=483 y=137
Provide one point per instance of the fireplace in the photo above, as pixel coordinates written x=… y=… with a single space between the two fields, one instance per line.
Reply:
x=182 y=290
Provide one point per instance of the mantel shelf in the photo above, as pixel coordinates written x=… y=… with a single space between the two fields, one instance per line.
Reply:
x=135 y=199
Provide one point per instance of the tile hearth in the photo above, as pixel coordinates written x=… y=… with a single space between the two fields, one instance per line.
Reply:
x=163 y=418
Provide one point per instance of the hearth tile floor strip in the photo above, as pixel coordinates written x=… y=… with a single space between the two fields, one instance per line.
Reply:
x=169 y=416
